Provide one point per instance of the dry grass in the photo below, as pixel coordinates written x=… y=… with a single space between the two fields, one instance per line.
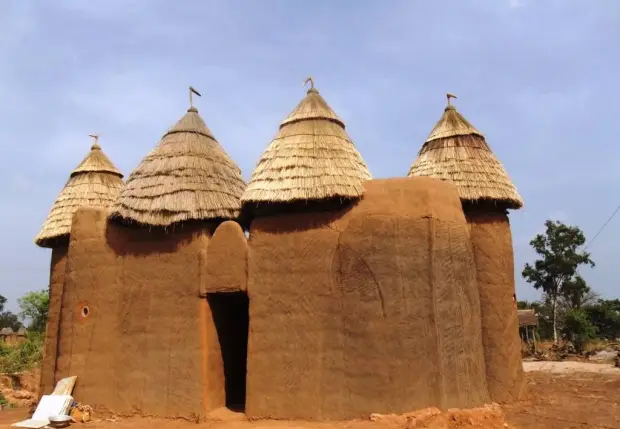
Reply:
x=595 y=345
x=311 y=158
x=455 y=151
x=188 y=176
x=96 y=182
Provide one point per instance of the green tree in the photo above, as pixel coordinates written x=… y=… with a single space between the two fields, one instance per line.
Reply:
x=543 y=310
x=578 y=328
x=605 y=315
x=555 y=271
x=8 y=319
x=34 y=307
x=576 y=294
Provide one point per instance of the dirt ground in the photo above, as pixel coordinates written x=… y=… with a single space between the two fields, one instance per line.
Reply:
x=564 y=400
x=560 y=396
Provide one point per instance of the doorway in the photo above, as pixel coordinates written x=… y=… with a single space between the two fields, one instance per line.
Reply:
x=230 y=312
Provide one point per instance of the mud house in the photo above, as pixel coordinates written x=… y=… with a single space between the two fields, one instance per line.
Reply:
x=528 y=323
x=12 y=338
x=350 y=296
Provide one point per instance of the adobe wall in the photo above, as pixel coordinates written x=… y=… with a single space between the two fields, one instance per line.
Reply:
x=148 y=344
x=492 y=243
x=227 y=260
x=371 y=309
x=50 y=347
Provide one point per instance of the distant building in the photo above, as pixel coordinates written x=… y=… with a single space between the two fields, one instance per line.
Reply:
x=528 y=322
x=11 y=338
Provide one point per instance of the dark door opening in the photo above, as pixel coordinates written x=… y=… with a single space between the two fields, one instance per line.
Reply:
x=231 y=316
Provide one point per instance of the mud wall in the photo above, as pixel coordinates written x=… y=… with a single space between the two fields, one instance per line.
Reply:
x=371 y=309
x=133 y=328
x=12 y=339
x=227 y=260
x=50 y=348
x=492 y=243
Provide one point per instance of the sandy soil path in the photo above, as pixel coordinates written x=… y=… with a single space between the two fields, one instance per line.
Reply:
x=568 y=367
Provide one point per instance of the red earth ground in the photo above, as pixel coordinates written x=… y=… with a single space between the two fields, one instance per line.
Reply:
x=553 y=401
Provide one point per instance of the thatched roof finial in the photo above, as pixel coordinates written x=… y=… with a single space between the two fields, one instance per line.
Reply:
x=95 y=182
x=95 y=145
x=311 y=82
x=449 y=96
x=191 y=101
x=311 y=159
x=457 y=152
x=188 y=176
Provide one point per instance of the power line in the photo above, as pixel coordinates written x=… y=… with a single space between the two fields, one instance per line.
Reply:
x=602 y=227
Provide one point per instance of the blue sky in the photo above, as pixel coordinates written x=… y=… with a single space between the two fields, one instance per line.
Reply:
x=539 y=78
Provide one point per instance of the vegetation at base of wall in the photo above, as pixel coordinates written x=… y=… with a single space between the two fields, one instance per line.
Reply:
x=22 y=357
x=28 y=353
x=3 y=402
x=569 y=309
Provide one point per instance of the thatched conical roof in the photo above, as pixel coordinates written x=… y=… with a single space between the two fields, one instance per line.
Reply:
x=95 y=182
x=457 y=152
x=188 y=176
x=310 y=159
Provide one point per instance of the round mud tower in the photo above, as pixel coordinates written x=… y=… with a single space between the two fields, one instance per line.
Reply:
x=455 y=151
x=492 y=243
x=95 y=182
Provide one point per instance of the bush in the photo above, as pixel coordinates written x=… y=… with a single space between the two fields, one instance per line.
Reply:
x=22 y=357
x=578 y=328
x=605 y=315
x=3 y=402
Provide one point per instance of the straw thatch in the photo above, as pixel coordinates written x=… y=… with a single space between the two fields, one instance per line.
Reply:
x=95 y=182
x=527 y=318
x=188 y=176
x=310 y=159
x=457 y=152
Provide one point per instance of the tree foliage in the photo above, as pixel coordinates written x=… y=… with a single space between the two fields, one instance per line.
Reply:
x=8 y=319
x=555 y=270
x=34 y=307
x=578 y=328
x=605 y=316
